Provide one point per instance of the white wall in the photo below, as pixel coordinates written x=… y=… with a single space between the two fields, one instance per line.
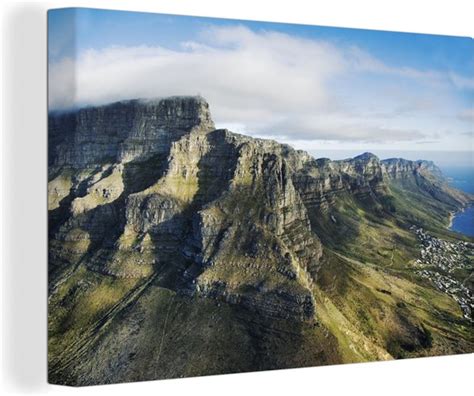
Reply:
x=23 y=201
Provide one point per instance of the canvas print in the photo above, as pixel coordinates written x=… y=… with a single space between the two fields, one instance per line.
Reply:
x=229 y=196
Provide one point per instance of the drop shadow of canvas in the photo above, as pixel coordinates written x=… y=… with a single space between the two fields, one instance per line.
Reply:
x=24 y=202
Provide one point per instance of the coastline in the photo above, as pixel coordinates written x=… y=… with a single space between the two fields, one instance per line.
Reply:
x=453 y=214
x=451 y=218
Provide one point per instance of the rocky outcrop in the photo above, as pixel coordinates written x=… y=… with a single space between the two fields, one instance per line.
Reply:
x=178 y=249
x=427 y=177
x=123 y=131
x=141 y=187
x=398 y=168
x=320 y=181
x=147 y=187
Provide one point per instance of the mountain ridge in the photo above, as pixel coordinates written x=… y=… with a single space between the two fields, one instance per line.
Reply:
x=185 y=113
x=147 y=198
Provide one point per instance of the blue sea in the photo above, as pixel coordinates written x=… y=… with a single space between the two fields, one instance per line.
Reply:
x=462 y=179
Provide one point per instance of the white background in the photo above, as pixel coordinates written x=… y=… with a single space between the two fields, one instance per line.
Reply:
x=23 y=202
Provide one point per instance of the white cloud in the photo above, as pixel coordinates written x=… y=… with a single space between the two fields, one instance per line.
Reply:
x=462 y=82
x=264 y=71
x=467 y=115
x=62 y=84
x=363 y=61
x=267 y=82
x=336 y=129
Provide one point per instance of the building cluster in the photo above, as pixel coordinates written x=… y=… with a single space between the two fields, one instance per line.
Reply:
x=448 y=256
x=439 y=259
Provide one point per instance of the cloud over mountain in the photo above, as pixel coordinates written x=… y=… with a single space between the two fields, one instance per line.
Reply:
x=269 y=83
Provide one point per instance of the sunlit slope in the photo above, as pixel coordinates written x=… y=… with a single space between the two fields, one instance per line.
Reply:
x=178 y=250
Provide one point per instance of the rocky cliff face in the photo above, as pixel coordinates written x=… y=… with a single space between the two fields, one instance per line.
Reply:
x=143 y=186
x=401 y=168
x=427 y=177
x=146 y=196
x=124 y=131
x=321 y=181
x=140 y=187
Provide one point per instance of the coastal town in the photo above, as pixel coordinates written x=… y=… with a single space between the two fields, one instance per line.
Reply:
x=440 y=260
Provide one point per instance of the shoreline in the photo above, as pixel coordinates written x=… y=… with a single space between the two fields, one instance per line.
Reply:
x=451 y=218
x=453 y=214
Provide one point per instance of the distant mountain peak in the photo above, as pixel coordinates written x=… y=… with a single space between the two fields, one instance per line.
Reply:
x=366 y=156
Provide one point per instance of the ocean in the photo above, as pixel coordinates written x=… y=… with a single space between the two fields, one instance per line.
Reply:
x=462 y=179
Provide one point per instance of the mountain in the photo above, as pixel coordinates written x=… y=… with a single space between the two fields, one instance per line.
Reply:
x=178 y=249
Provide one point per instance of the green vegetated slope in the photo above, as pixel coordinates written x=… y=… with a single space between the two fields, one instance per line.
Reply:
x=368 y=292
x=180 y=250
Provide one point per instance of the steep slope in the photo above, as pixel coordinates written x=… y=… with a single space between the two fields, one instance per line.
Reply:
x=179 y=249
x=423 y=194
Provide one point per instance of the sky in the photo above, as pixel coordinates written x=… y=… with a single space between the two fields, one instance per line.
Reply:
x=333 y=92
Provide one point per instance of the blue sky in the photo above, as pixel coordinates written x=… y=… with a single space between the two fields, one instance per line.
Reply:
x=317 y=88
